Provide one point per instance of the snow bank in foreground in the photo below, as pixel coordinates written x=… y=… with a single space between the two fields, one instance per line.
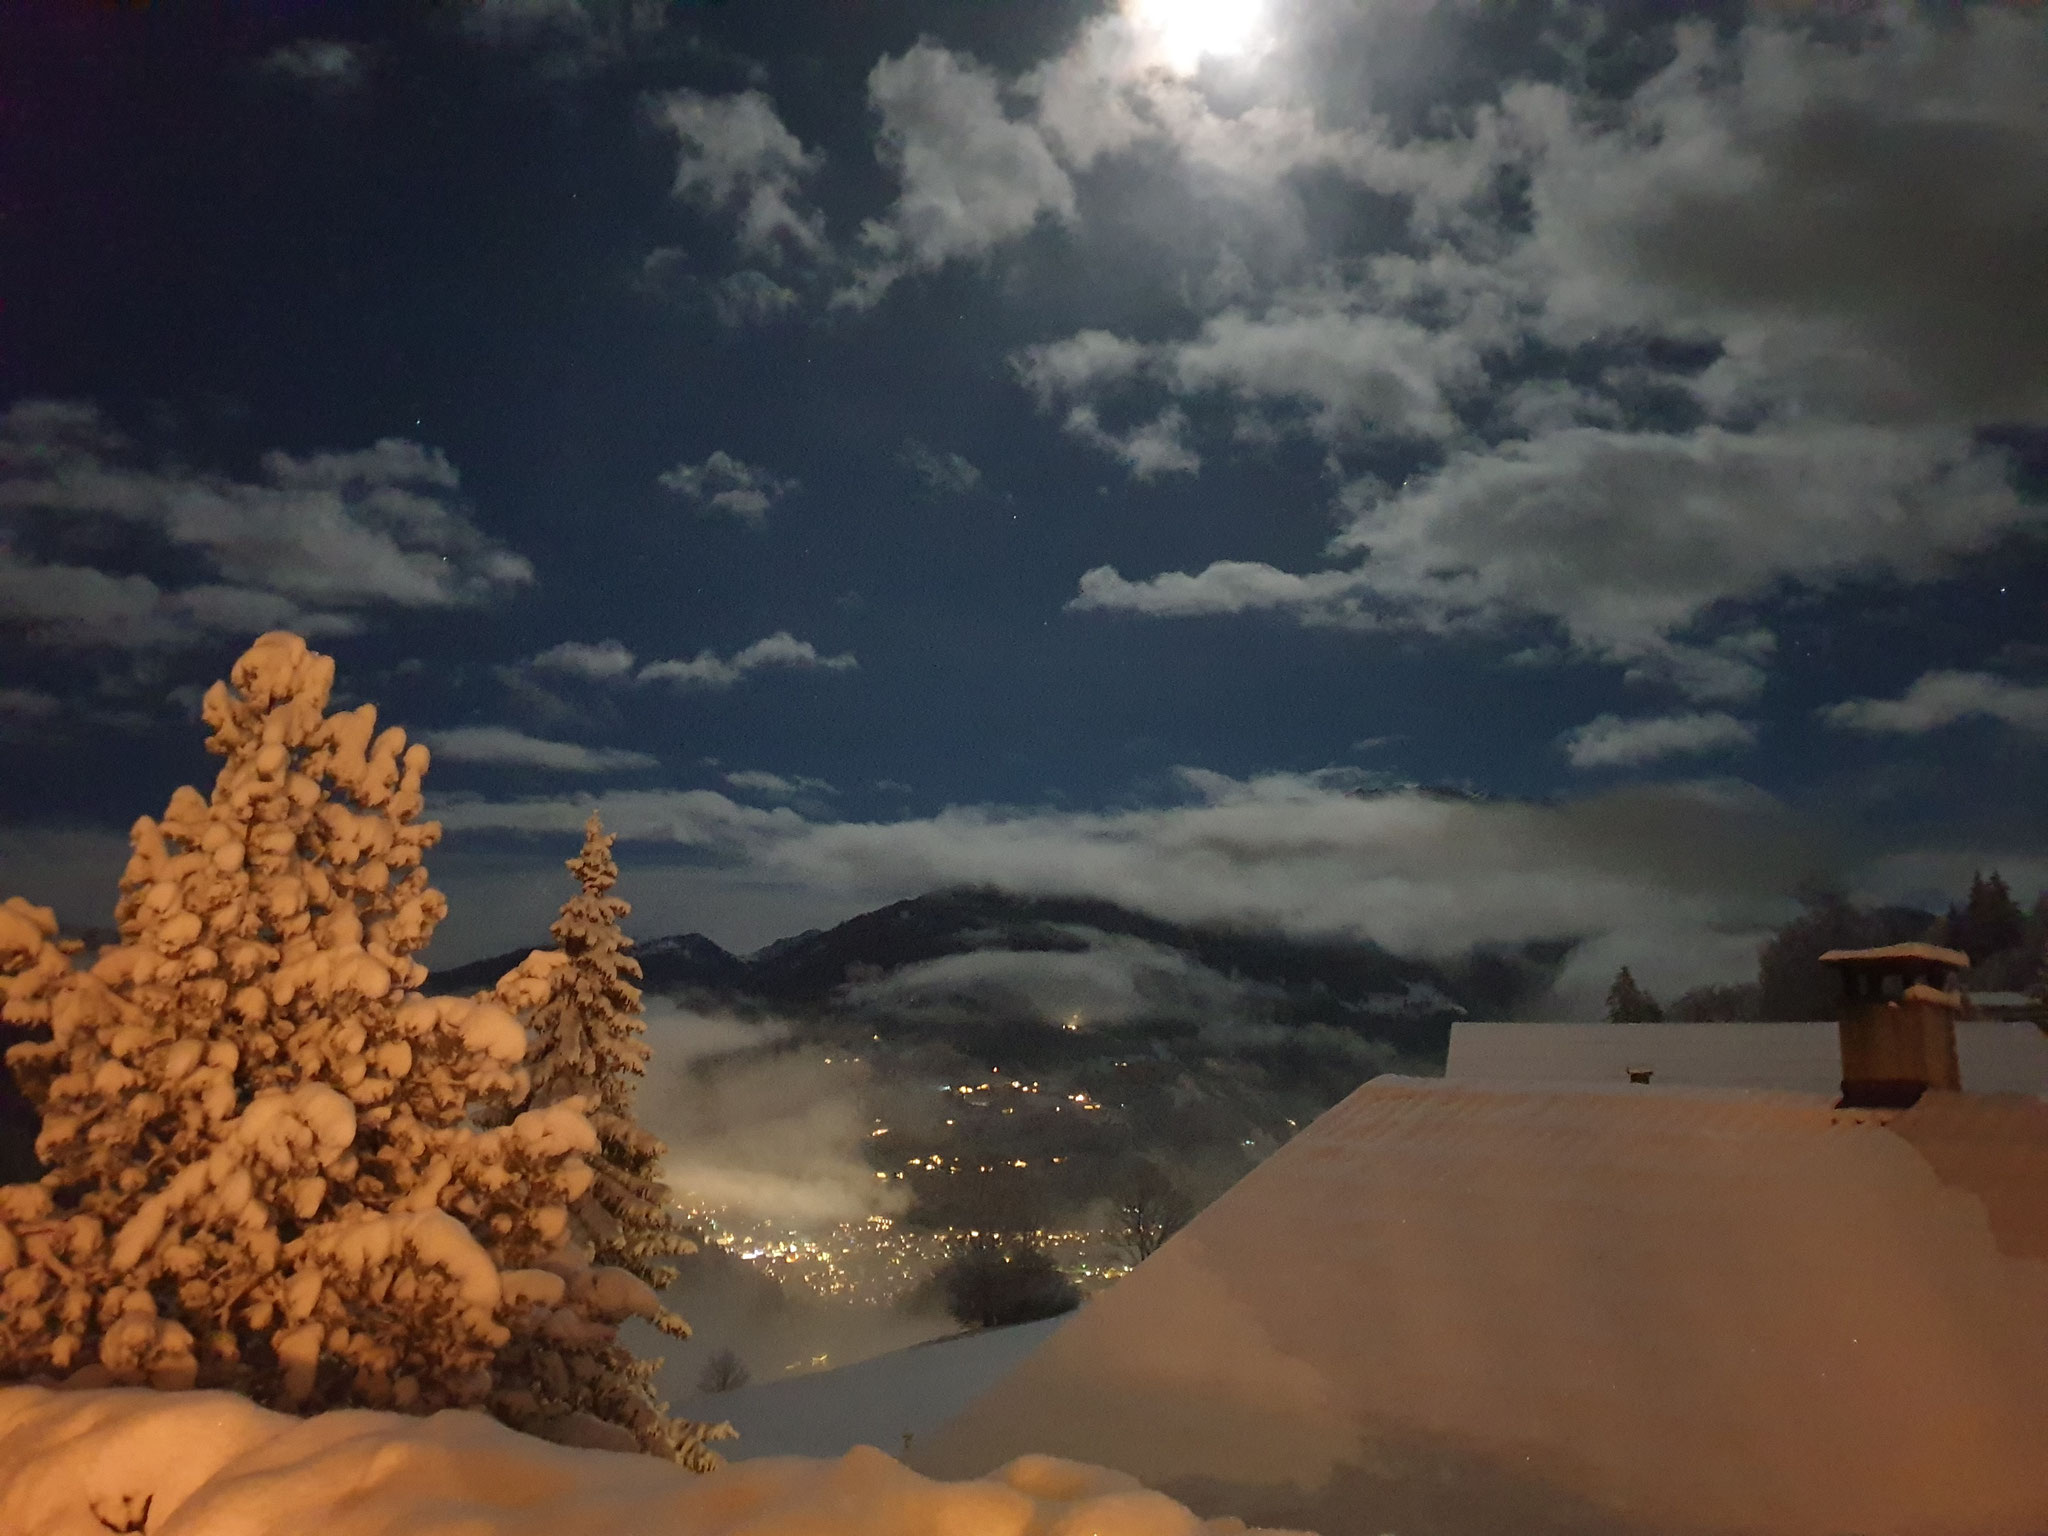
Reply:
x=212 y=1464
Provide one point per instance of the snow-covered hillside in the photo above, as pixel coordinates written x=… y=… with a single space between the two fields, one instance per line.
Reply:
x=213 y=1464
x=876 y=1402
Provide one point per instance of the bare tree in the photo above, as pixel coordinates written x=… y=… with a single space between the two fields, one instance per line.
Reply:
x=1150 y=1208
x=724 y=1372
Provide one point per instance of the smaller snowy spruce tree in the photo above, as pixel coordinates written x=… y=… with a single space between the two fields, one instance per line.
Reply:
x=588 y=1047
x=1628 y=1003
x=266 y=1167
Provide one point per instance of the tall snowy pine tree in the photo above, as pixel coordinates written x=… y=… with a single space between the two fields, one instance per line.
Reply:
x=264 y=1170
x=587 y=1046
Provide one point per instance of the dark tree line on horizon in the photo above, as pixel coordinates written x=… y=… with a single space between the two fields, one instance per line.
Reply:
x=2007 y=947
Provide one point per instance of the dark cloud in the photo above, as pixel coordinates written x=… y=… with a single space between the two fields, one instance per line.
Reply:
x=315 y=543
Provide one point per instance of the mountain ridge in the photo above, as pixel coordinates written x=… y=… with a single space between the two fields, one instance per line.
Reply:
x=1353 y=984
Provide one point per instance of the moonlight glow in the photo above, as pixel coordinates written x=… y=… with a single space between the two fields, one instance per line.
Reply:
x=1189 y=31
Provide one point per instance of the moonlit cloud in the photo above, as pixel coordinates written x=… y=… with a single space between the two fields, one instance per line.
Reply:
x=971 y=176
x=1770 y=194
x=1186 y=32
x=775 y=786
x=316 y=543
x=318 y=61
x=606 y=661
x=501 y=746
x=943 y=474
x=735 y=155
x=1612 y=742
x=725 y=484
x=1861 y=222
x=707 y=669
x=1225 y=587
x=1342 y=371
x=1552 y=529
x=1939 y=699
x=1150 y=449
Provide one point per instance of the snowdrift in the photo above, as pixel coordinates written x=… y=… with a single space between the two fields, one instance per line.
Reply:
x=84 y=1463
x=871 y=1402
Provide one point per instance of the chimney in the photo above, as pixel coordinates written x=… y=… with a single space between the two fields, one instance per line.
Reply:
x=1898 y=1023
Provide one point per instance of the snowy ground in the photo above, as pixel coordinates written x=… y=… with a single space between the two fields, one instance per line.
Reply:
x=877 y=1402
x=211 y=1464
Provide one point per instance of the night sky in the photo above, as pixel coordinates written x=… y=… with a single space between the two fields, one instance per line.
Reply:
x=869 y=445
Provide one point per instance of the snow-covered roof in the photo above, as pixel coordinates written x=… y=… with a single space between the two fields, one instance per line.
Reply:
x=1997 y=1056
x=1932 y=954
x=1465 y=1308
x=2014 y=1000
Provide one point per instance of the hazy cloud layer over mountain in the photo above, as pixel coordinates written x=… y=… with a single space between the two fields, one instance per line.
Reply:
x=1690 y=872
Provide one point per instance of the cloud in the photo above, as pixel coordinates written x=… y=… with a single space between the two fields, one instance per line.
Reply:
x=28 y=704
x=765 y=1132
x=606 y=661
x=318 y=61
x=1939 y=699
x=313 y=544
x=610 y=661
x=1110 y=979
x=1609 y=741
x=1335 y=361
x=1347 y=370
x=1223 y=587
x=1355 y=370
x=944 y=474
x=723 y=483
x=709 y=670
x=500 y=746
x=567 y=39
x=774 y=786
x=28 y=714
x=1155 y=448
x=746 y=297
x=971 y=177
x=1630 y=541
x=1840 y=226
x=1107 y=97
x=521 y=20
x=1079 y=364
x=1696 y=871
x=734 y=153
x=751 y=297
x=1863 y=221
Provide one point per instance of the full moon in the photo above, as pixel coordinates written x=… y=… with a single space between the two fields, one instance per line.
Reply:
x=1189 y=31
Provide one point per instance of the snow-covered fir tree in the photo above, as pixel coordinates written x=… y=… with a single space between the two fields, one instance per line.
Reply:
x=265 y=1173
x=588 y=1047
x=1628 y=1003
